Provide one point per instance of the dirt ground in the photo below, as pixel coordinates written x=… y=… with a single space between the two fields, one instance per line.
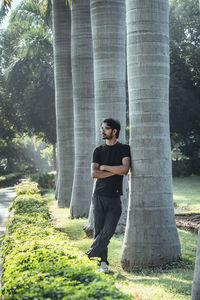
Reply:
x=186 y=221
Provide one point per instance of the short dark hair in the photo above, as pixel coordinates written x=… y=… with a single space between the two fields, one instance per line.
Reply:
x=114 y=124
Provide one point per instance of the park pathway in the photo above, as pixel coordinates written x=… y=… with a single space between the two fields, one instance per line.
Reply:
x=6 y=197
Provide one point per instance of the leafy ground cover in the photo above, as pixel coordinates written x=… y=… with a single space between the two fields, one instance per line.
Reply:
x=172 y=282
x=41 y=263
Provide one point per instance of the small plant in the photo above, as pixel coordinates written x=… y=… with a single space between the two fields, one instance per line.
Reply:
x=27 y=187
x=41 y=263
x=45 y=181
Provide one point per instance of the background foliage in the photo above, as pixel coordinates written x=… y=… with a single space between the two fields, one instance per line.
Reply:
x=27 y=84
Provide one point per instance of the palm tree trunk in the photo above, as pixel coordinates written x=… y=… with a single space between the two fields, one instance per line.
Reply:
x=63 y=100
x=196 y=281
x=151 y=237
x=108 y=32
x=54 y=157
x=83 y=91
x=89 y=227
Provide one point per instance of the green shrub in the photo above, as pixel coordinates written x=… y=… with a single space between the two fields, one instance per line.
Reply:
x=10 y=179
x=32 y=204
x=27 y=187
x=186 y=167
x=181 y=168
x=21 y=221
x=41 y=263
x=195 y=165
x=45 y=181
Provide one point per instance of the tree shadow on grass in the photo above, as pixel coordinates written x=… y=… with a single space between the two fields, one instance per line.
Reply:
x=175 y=285
x=175 y=277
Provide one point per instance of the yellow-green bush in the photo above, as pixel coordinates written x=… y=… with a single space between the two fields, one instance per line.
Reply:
x=27 y=187
x=41 y=263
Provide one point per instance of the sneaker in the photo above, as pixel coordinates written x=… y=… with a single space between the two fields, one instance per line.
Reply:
x=103 y=267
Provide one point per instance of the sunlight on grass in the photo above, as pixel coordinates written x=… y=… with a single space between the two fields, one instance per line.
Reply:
x=195 y=208
x=187 y=192
x=180 y=197
x=188 y=246
x=172 y=282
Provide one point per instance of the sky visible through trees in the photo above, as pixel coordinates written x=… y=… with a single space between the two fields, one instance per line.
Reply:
x=4 y=24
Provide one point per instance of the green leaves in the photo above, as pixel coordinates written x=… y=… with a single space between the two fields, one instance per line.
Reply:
x=27 y=188
x=185 y=80
x=26 y=59
x=10 y=179
x=69 y=2
x=41 y=263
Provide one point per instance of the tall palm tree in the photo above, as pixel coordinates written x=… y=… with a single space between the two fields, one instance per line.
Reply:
x=26 y=56
x=108 y=33
x=83 y=94
x=196 y=281
x=151 y=237
x=63 y=100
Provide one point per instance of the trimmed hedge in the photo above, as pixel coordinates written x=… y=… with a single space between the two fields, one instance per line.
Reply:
x=45 y=181
x=41 y=263
x=27 y=188
x=10 y=179
x=181 y=168
x=185 y=167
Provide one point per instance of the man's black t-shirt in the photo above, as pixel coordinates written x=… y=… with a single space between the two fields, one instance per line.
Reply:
x=111 y=156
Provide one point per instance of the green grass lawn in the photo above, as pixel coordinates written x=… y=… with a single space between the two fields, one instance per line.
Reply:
x=187 y=193
x=173 y=282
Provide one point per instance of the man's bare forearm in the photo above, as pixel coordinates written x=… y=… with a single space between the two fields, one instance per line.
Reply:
x=116 y=170
x=101 y=174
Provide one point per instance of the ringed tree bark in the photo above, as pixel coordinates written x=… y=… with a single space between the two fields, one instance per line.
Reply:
x=83 y=95
x=196 y=280
x=63 y=101
x=151 y=237
x=108 y=35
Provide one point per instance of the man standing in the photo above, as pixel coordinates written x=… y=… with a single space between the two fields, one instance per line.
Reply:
x=110 y=162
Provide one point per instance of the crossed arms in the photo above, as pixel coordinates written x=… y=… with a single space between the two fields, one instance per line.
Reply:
x=104 y=171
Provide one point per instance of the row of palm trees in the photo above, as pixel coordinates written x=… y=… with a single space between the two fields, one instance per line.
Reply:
x=108 y=72
x=151 y=236
x=90 y=67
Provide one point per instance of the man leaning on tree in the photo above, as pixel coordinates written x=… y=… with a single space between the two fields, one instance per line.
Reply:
x=110 y=162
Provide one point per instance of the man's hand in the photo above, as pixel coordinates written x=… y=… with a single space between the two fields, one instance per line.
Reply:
x=97 y=173
x=102 y=168
x=117 y=170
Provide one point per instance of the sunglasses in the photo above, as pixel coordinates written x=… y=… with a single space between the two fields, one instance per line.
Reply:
x=105 y=128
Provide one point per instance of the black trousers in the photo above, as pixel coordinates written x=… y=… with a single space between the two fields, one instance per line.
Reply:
x=107 y=211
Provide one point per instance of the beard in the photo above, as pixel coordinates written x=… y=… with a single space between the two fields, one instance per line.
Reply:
x=107 y=137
